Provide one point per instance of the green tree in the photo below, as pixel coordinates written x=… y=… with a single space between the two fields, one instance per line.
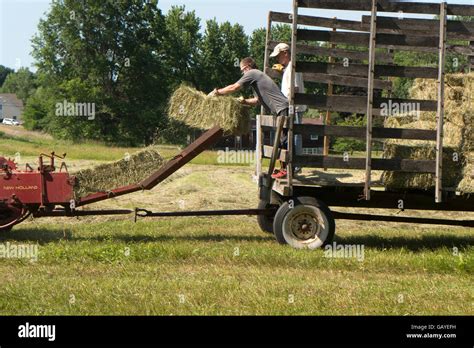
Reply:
x=279 y=33
x=181 y=46
x=22 y=83
x=106 y=53
x=222 y=48
x=4 y=72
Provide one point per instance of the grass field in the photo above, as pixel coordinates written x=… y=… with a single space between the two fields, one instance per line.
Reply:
x=223 y=265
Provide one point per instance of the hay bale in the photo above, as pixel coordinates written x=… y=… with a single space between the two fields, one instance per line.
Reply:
x=459 y=94
x=197 y=110
x=458 y=136
x=130 y=170
x=453 y=165
x=466 y=185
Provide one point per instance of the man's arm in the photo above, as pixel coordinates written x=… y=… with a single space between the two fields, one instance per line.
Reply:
x=227 y=90
x=251 y=102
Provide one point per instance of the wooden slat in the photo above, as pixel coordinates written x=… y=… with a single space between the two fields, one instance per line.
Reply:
x=403 y=42
x=319 y=21
x=360 y=70
x=387 y=6
x=370 y=100
x=291 y=99
x=440 y=106
x=394 y=164
x=271 y=121
x=349 y=81
x=356 y=104
x=359 y=132
x=422 y=27
x=363 y=38
x=258 y=147
x=268 y=151
x=382 y=57
x=391 y=25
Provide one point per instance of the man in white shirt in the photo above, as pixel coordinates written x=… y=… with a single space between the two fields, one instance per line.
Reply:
x=282 y=53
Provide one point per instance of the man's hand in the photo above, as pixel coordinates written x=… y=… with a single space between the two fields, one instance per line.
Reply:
x=213 y=93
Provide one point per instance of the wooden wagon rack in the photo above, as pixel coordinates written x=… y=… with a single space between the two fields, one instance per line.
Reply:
x=381 y=33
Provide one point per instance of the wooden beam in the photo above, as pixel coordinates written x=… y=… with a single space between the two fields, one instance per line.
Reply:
x=319 y=21
x=292 y=104
x=282 y=154
x=387 y=6
x=381 y=57
x=362 y=39
x=258 y=147
x=337 y=80
x=370 y=100
x=393 y=164
x=360 y=132
x=357 y=104
x=272 y=121
x=350 y=81
x=458 y=30
x=361 y=70
x=402 y=42
x=440 y=111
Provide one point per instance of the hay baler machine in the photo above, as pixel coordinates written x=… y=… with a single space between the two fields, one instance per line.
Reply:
x=29 y=191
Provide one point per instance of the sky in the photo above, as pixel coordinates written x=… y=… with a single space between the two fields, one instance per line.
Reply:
x=19 y=20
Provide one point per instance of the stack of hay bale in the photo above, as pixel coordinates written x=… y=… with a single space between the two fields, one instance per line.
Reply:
x=131 y=170
x=198 y=110
x=458 y=156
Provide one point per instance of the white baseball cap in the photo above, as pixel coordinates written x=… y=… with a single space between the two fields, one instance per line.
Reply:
x=281 y=47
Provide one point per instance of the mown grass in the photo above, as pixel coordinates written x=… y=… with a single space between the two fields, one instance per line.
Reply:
x=217 y=266
x=227 y=266
x=94 y=151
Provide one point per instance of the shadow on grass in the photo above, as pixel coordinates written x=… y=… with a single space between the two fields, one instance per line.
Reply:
x=44 y=236
x=428 y=242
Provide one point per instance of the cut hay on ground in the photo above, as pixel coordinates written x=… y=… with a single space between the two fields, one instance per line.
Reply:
x=130 y=170
x=197 y=110
x=458 y=139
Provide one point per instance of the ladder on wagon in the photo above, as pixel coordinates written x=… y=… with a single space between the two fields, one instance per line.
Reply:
x=373 y=32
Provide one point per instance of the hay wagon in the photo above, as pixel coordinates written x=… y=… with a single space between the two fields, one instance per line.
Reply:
x=297 y=209
x=301 y=203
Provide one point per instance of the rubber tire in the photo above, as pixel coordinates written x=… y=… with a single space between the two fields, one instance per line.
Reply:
x=265 y=222
x=308 y=201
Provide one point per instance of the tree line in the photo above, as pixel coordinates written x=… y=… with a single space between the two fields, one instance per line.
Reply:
x=126 y=57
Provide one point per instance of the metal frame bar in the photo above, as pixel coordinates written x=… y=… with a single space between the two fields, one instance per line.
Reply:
x=206 y=140
x=440 y=112
x=370 y=99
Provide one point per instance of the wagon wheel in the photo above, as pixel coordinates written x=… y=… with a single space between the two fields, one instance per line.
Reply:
x=307 y=223
x=266 y=221
x=11 y=215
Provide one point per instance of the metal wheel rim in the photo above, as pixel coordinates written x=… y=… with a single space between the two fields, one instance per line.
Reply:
x=314 y=236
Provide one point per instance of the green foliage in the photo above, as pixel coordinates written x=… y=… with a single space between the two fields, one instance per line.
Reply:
x=4 y=72
x=280 y=32
x=104 y=53
x=22 y=83
x=222 y=48
x=349 y=144
x=181 y=46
